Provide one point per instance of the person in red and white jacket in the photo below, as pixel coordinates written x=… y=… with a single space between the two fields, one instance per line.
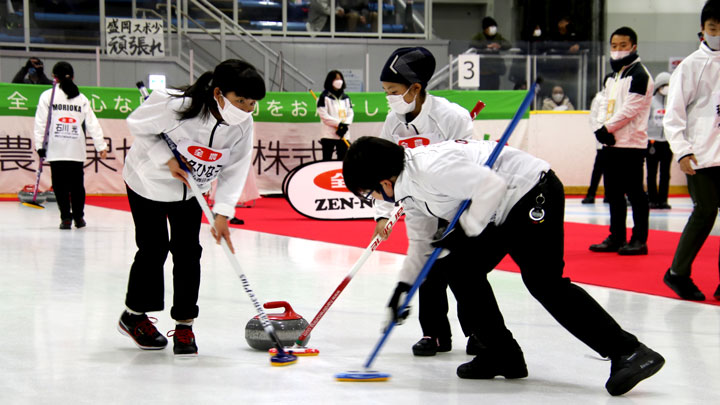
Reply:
x=692 y=126
x=628 y=94
x=66 y=148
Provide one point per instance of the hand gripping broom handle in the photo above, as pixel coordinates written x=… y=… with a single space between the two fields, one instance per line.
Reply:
x=267 y=326
x=45 y=140
x=433 y=257
x=394 y=216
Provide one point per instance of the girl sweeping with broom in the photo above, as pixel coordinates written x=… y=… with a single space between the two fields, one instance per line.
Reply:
x=68 y=109
x=211 y=122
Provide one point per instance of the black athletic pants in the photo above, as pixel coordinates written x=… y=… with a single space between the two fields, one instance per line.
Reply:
x=538 y=250
x=146 y=289
x=68 y=182
x=597 y=173
x=658 y=155
x=624 y=170
x=329 y=145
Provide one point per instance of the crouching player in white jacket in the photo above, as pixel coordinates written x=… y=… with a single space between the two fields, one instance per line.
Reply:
x=211 y=123
x=517 y=208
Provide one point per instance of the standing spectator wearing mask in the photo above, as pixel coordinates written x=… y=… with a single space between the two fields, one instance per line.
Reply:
x=336 y=113
x=628 y=94
x=32 y=73
x=658 y=152
x=490 y=42
x=558 y=101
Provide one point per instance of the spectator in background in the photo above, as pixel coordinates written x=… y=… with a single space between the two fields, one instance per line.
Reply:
x=490 y=42
x=558 y=101
x=353 y=15
x=691 y=128
x=32 y=73
x=335 y=110
x=531 y=42
x=597 y=117
x=565 y=39
x=658 y=152
x=624 y=133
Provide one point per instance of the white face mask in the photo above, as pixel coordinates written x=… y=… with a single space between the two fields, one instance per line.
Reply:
x=558 y=97
x=492 y=30
x=537 y=33
x=663 y=90
x=398 y=105
x=615 y=55
x=712 y=41
x=337 y=84
x=231 y=114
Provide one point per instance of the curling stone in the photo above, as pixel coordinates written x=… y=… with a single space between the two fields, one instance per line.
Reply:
x=49 y=195
x=26 y=194
x=288 y=327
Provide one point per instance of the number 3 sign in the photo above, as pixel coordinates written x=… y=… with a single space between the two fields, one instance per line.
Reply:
x=468 y=71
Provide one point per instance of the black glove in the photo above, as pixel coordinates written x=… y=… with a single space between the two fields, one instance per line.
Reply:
x=456 y=239
x=396 y=300
x=41 y=153
x=605 y=137
x=342 y=129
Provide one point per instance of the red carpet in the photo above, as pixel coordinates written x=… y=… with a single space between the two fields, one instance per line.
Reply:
x=631 y=273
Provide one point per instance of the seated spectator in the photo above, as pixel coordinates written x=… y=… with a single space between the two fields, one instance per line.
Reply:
x=565 y=39
x=32 y=73
x=558 y=101
x=490 y=41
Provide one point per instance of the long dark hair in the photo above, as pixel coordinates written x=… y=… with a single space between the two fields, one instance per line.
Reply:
x=63 y=71
x=330 y=78
x=231 y=75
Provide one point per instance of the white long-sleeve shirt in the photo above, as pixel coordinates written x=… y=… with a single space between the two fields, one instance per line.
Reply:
x=438 y=178
x=146 y=171
x=692 y=118
x=66 y=139
x=439 y=120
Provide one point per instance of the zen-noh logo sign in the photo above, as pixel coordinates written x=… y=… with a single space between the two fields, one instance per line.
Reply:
x=317 y=190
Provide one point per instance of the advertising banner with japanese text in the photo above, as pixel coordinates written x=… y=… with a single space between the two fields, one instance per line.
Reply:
x=286 y=134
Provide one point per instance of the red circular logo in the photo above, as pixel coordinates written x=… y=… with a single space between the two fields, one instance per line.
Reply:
x=332 y=180
x=67 y=120
x=204 y=154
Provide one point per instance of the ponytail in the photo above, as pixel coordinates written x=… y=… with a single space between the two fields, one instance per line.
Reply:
x=231 y=75
x=64 y=73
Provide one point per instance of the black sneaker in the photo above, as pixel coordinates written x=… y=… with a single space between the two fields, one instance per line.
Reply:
x=588 y=200
x=80 y=223
x=684 y=287
x=627 y=371
x=608 y=245
x=664 y=206
x=429 y=346
x=473 y=346
x=634 y=248
x=65 y=224
x=488 y=364
x=142 y=331
x=183 y=341
x=716 y=294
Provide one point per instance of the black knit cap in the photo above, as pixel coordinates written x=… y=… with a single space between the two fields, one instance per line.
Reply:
x=408 y=66
x=488 y=22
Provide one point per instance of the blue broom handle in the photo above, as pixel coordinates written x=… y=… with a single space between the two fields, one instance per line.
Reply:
x=433 y=257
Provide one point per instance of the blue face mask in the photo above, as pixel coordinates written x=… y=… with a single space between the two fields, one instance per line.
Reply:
x=385 y=196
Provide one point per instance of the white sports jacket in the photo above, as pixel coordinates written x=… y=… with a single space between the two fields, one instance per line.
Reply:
x=438 y=178
x=627 y=105
x=66 y=139
x=332 y=111
x=692 y=115
x=146 y=171
x=439 y=120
